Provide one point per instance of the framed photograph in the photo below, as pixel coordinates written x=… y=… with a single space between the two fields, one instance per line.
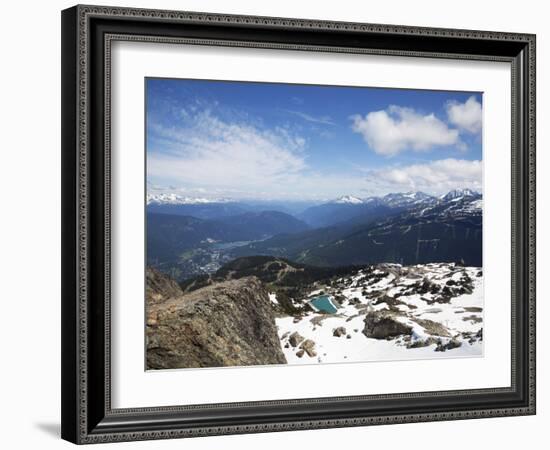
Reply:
x=281 y=224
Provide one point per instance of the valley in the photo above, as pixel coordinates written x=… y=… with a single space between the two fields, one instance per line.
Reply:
x=406 y=228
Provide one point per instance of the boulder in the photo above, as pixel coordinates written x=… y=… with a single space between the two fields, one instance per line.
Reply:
x=340 y=331
x=295 y=339
x=308 y=346
x=384 y=325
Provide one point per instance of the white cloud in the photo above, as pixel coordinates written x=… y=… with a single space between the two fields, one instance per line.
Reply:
x=206 y=156
x=324 y=120
x=210 y=157
x=466 y=116
x=209 y=152
x=396 y=129
x=435 y=177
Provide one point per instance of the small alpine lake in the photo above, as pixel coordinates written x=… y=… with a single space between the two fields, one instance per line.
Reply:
x=324 y=304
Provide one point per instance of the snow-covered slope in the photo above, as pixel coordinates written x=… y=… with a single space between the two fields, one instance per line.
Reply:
x=390 y=312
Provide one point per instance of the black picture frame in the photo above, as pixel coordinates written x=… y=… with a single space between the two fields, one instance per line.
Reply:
x=87 y=415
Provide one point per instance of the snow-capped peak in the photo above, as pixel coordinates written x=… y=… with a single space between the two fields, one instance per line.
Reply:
x=175 y=199
x=406 y=198
x=416 y=195
x=350 y=199
x=456 y=194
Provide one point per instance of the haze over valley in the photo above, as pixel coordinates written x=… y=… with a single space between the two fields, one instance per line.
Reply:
x=189 y=237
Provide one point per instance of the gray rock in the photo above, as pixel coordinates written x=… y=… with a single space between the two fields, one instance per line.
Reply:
x=423 y=343
x=229 y=323
x=453 y=343
x=433 y=328
x=159 y=287
x=384 y=325
x=295 y=339
x=309 y=347
x=340 y=331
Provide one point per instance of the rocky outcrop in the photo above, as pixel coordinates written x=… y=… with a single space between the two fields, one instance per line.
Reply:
x=225 y=324
x=384 y=325
x=159 y=287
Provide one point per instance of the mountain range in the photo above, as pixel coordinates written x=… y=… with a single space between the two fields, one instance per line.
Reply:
x=405 y=228
x=349 y=207
x=417 y=229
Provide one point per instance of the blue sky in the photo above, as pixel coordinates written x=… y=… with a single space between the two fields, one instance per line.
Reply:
x=269 y=141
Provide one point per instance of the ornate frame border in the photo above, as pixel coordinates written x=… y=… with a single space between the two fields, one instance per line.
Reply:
x=79 y=418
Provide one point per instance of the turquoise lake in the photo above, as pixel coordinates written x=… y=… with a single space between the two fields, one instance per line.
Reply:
x=323 y=303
